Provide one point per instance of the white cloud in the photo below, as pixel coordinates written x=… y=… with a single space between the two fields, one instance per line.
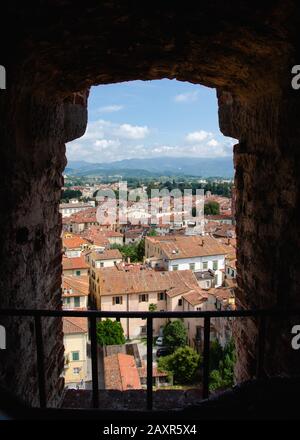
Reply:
x=213 y=143
x=132 y=131
x=198 y=136
x=187 y=97
x=105 y=141
x=110 y=108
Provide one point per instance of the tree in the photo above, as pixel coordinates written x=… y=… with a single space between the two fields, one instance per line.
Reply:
x=211 y=208
x=183 y=364
x=110 y=332
x=222 y=377
x=152 y=307
x=216 y=354
x=140 y=250
x=134 y=251
x=152 y=233
x=68 y=194
x=175 y=335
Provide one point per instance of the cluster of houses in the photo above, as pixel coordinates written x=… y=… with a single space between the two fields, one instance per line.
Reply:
x=179 y=272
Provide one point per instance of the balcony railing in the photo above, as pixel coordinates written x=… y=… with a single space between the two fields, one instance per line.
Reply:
x=92 y=316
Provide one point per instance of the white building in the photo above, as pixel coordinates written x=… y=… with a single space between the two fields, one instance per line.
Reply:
x=195 y=253
x=67 y=209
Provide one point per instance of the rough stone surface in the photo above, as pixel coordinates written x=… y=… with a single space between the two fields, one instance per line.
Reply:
x=57 y=51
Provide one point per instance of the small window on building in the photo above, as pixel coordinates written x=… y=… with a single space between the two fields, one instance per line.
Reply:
x=207 y=283
x=75 y=355
x=76 y=370
x=101 y=264
x=143 y=298
x=161 y=296
x=205 y=265
x=76 y=301
x=143 y=330
x=175 y=267
x=117 y=300
x=180 y=302
x=215 y=265
x=78 y=273
x=192 y=266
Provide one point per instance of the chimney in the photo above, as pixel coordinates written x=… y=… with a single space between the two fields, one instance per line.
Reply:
x=128 y=260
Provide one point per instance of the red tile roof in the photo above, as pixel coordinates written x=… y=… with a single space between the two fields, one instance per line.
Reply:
x=79 y=286
x=114 y=282
x=74 y=263
x=72 y=325
x=108 y=254
x=74 y=242
x=177 y=247
x=121 y=373
x=99 y=236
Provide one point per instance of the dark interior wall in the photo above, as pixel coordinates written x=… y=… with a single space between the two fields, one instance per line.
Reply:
x=57 y=50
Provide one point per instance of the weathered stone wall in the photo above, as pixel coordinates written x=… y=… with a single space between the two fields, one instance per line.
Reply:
x=33 y=158
x=267 y=163
x=57 y=49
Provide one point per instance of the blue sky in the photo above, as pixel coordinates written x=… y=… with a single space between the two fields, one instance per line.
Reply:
x=141 y=119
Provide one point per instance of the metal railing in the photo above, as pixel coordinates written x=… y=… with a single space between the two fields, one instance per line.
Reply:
x=92 y=316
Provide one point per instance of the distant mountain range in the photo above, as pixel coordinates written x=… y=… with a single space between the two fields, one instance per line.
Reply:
x=158 y=166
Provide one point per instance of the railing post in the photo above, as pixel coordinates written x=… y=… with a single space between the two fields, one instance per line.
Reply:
x=260 y=346
x=40 y=360
x=205 y=384
x=149 y=362
x=94 y=356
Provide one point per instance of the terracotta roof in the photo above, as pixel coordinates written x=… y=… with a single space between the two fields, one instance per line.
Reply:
x=195 y=297
x=189 y=246
x=74 y=263
x=121 y=373
x=99 y=236
x=112 y=234
x=134 y=233
x=74 y=242
x=79 y=286
x=74 y=325
x=86 y=216
x=108 y=254
x=226 y=231
x=114 y=282
x=222 y=293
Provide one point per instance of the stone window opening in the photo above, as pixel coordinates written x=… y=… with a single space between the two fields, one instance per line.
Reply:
x=256 y=105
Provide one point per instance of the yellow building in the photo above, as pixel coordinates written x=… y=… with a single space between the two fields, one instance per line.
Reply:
x=77 y=363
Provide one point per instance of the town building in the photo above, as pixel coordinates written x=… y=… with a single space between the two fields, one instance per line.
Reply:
x=119 y=290
x=75 y=291
x=75 y=266
x=196 y=253
x=74 y=245
x=67 y=209
x=80 y=221
x=77 y=370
